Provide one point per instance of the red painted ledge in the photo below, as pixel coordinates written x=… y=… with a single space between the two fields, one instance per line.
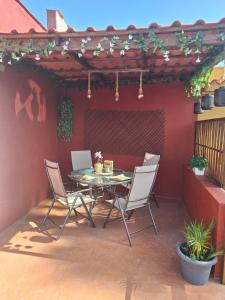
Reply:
x=203 y=201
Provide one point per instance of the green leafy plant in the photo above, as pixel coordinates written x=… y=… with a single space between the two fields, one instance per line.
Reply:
x=198 y=244
x=199 y=81
x=65 y=119
x=190 y=43
x=157 y=43
x=198 y=161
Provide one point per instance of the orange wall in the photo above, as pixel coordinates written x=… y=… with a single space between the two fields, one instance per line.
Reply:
x=27 y=135
x=203 y=201
x=179 y=129
x=15 y=16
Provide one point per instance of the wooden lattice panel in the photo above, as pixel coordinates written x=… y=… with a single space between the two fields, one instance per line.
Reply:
x=123 y=132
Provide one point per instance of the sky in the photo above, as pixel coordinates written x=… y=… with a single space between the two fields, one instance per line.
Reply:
x=81 y=14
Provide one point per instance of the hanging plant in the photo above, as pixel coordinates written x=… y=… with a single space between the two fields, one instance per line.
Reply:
x=65 y=120
x=198 y=82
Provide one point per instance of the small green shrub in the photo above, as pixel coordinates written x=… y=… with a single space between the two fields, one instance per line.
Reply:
x=198 y=161
x=198 y=241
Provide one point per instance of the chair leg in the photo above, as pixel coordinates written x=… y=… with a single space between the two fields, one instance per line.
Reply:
x=49 y=210
x=64 y=224
x=155 y=199
x=130 y=214
x=107 y=218
x=153 y=221
x=126 y=227
x=88 y=213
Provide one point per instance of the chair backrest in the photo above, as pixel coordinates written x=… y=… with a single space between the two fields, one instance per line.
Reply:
x=81 y=159
x=142 y=185
x=55 y=179
x=151 y=159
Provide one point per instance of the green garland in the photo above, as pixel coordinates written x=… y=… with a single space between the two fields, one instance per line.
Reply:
x=190 y=43
x=201 y=77
x=142 y=41
x=65 y=120
x=199 y=82
x=11 y=51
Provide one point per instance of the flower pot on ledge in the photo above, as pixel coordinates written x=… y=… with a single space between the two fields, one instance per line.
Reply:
x=199 y=172
x=195 y=271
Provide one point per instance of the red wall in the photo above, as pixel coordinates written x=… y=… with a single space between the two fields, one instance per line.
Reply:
x=178 y=129
x=204 y=201
x=15 y=16
x=27 y=135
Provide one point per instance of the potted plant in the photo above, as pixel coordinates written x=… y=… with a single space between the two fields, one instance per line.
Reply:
x=198 y=164
x=197 y=254
x=98 y=165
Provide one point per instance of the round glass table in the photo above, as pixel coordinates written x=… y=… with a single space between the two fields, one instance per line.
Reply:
x=91 y=178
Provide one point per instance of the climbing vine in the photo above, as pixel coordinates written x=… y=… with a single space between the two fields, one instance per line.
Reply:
x=65 y=120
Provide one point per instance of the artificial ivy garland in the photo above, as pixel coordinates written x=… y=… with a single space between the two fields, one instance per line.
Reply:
x=201 y=78
x=65 y=120
x=190 y=43
x=13 y=51
x=109 y=45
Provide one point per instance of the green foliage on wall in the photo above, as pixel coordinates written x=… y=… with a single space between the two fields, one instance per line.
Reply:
x=65 y=120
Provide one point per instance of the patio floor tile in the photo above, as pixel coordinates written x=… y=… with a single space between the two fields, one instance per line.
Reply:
x=95 y=263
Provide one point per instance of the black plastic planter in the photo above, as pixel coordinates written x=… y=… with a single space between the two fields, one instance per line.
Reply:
x=208 y=102
x=219 y=96
x=198 y=108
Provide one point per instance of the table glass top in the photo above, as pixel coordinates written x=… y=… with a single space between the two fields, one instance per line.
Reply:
x=90 y=177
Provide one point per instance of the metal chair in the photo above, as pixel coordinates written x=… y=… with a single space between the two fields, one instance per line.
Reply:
x=71 y=201
x=81 y=159
x=141 y=188
x=151 y=159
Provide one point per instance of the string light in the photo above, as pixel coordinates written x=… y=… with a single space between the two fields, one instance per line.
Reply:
x=140 y=91
x=89 y=86
x=117 y=87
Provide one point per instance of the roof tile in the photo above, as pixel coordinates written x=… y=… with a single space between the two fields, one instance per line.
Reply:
x=154 y=26
x=70 y=30
x=110 y=28
x=32 y=30
x=222 y=20
x=176 y=23
x=199 y=22
x=131 y=27
x=90 y=29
